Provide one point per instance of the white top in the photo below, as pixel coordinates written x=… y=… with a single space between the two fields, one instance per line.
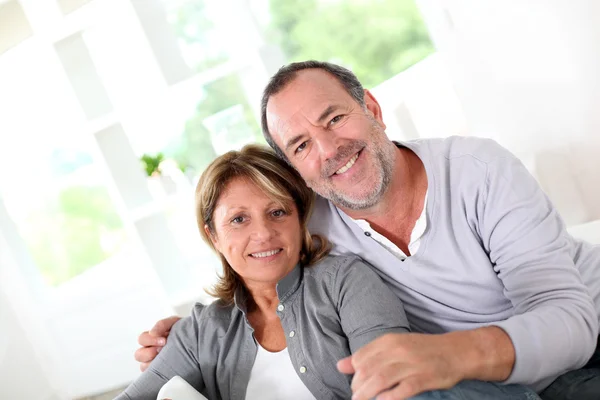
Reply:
x=415 y=236
x=177 y=388
x=273 y=377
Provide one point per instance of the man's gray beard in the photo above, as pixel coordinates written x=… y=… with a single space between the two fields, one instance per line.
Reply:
x=384 y=157
x=386 y=164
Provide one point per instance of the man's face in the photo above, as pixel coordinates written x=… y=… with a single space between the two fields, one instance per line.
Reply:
x=339 y=147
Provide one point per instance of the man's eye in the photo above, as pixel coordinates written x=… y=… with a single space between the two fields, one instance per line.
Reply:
x=335 y=119
x=301 y=147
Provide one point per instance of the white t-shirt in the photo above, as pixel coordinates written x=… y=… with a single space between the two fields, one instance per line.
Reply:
x=273 y=377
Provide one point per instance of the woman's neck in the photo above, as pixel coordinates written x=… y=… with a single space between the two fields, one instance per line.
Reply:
x=264 y=299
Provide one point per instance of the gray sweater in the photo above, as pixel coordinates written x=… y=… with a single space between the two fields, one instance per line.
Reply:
x=495 y=252
x=333 y=308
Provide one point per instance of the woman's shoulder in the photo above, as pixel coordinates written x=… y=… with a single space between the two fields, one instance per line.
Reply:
x=216 y=316
x=332 y=264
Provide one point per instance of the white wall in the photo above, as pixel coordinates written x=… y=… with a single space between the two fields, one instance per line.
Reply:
x=25 y=371
x=526 y=74
x=21 y=376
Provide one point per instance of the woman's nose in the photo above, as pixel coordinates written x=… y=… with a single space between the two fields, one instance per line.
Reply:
x=262 y=230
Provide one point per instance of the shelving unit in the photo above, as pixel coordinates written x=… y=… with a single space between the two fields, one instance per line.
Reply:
x=14 y=26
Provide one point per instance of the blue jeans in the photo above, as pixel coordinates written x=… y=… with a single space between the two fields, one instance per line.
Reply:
x=478 y=390
x=581 y=384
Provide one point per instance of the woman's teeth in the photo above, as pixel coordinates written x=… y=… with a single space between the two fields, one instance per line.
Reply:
x=265 y=253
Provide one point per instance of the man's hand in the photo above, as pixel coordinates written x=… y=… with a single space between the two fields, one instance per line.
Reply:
x=153 y=341
x=399 y=366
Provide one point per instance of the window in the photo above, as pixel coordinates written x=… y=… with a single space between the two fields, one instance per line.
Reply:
x=162 y=82
x=376 y=39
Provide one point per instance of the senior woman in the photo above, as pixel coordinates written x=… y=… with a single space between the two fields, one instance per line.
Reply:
x=286 y=311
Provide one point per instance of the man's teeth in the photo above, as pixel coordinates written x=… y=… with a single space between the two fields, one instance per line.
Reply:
x=265 y=253
x=349 y=164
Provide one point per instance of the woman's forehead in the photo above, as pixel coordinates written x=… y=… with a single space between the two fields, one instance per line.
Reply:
x=244 y=193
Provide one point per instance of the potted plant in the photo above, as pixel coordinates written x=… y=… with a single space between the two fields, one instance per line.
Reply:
x=159 y=171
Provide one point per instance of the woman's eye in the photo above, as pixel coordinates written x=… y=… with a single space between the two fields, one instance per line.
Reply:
x=238 y=220
x=278 y=213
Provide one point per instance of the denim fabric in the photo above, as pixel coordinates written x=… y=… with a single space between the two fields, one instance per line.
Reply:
x=477 y=390
x=581 y=384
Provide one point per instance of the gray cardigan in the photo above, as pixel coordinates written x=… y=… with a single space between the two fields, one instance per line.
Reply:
x=327 y=311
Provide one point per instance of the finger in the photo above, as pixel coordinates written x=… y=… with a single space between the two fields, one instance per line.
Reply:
x=345 y=365
x=385 y=367
x=378 y=382
x=383 y=347
x=162 y=327
x=146 y=354
x=144 y=366
x=146 y=339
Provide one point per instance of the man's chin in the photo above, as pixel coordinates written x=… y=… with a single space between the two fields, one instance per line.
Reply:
x=356 y=203
x=353 y=201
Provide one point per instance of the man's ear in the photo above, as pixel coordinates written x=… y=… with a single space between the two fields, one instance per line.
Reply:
x=212 y=237
x=373 y=108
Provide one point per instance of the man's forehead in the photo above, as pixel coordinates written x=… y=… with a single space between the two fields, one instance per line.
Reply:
x=304 y=100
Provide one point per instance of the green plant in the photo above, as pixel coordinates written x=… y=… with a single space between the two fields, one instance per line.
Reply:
x=152 y=163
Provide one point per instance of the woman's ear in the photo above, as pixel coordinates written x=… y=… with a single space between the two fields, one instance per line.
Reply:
x=212 y=237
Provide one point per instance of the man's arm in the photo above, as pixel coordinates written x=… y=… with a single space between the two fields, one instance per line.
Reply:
x=177 y=358
x=400 y=366
x=555 y=325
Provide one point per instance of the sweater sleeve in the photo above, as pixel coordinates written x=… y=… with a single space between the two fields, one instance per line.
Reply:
x=177 y=358
x=554 y=327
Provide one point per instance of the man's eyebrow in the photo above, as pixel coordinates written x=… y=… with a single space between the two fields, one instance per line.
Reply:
x=295 y=139
x=326 y=113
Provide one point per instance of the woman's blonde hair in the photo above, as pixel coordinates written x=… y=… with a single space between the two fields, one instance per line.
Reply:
x=260 y=166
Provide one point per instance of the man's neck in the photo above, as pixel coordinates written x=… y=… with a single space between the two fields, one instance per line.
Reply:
x=401 y=205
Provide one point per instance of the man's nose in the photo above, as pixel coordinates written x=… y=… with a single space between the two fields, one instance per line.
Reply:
x=326 y=144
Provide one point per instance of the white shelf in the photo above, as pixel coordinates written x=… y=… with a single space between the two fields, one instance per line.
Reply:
x=161 y=204
x=14 y=26
x=123 y=164
x=101 y=123
x=83 y=76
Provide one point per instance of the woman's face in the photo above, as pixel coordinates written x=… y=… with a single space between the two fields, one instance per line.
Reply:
x=258 y=238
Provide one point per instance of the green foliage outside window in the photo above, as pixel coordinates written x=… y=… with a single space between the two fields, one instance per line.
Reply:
x=80 y=230
x=377 y=39
x=194 y=148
